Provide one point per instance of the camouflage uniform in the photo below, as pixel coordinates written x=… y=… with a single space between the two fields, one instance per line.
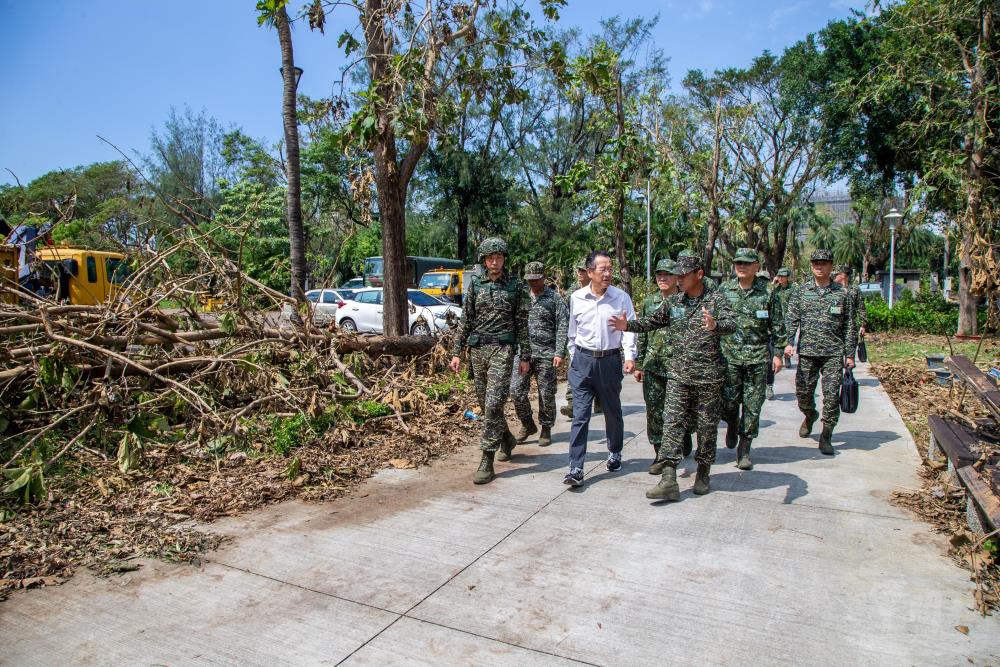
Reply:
x=695 y=370
x=548 y=320
x=747 y=350
x=824 y=318
x=494 y=322
x=857 y=301
x=653 y=359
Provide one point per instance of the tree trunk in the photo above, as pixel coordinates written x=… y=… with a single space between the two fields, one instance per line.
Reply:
x=714 y=226
x=463 y=232
x=392 y=214
x=296 y=236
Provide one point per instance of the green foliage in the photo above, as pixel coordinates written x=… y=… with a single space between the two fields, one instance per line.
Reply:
x=287 y=432
x=251 y=225
x=364 y=410
x=26 y=483
x=923 y=312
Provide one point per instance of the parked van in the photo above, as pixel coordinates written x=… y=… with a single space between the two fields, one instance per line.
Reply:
x=447 y=283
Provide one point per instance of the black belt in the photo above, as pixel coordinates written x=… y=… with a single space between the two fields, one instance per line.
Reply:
x=597 y=354
x=492 y=340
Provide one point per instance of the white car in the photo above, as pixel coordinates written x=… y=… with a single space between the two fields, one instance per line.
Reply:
x=325 y=303
x=364 y=312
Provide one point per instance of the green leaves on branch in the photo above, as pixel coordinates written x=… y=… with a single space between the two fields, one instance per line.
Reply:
x=27 y=483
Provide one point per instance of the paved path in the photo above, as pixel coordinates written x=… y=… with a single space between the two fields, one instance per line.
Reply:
x=802 y=561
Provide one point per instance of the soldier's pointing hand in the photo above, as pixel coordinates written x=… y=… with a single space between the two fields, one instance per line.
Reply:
x=707 y=319
x=619 y=323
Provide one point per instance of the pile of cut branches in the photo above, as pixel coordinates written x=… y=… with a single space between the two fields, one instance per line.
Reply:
x=121 y=422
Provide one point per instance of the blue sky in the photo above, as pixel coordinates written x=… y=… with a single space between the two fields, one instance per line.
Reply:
x=75 y=70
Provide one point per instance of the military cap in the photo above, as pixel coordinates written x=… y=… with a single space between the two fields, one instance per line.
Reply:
x=665 y=265
x=686 y=264
x=534 y=271
x=821 y=255
x=492 y=245
x=842 y=268
x=685 y=253
x=784 y=272
x=581 y=265
x=746 y=255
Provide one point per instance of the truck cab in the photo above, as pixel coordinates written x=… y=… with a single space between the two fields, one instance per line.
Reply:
x=78 y=275
x=446 y=283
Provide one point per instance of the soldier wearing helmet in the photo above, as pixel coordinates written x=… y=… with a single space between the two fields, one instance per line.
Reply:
x=494 y=324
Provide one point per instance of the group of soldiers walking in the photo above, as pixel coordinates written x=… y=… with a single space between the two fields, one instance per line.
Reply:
x=702 y=351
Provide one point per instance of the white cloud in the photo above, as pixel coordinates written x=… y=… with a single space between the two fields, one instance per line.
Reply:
x=781 y=13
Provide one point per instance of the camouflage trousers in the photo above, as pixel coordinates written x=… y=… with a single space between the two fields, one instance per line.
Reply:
x=744 y=388
x=654 y=392
x=491 y=366
x=683 y=401
x=545 y=376
x=809 y=373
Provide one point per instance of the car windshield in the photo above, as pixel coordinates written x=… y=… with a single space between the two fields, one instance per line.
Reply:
x=435 y=280
x=373 y=266
x=420 y=299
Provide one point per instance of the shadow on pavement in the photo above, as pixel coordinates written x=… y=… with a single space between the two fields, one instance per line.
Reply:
x=755 y=480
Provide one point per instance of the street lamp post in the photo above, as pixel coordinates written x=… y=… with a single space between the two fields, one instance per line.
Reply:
x=893 y=217
x=298 y=75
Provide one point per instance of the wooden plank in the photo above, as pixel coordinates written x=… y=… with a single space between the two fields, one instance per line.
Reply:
x=983 y=496
x=954 y=440
x=981 y=384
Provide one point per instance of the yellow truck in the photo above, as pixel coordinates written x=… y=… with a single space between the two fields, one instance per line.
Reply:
x=79 y=276
x=447 y=283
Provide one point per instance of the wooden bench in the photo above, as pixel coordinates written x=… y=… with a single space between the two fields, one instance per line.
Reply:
x=952 y=441
x=982 y=507
x=981 y=384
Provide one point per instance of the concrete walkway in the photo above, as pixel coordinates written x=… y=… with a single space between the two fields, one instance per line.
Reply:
x=802 y=561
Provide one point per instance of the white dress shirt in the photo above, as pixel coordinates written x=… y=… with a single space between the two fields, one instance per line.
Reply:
x=588 y=321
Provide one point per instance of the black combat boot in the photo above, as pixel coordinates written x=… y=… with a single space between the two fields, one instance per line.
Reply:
x=527 y=430
x=732 y=434
x=743 y=461
x=545 y=438
x=485 y=473
x=807 y=424
x=507 y=447
x=667 y=489
x=701 y=479
x=825 y=441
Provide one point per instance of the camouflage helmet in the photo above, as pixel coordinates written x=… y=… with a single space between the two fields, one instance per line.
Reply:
x=665 y=265
x=534 y=271
x=490 y=246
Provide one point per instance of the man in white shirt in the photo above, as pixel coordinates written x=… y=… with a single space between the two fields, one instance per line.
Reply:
x=596 y=351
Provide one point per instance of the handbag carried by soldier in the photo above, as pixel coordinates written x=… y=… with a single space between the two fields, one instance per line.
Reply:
x=862 y=350
x=849 y=395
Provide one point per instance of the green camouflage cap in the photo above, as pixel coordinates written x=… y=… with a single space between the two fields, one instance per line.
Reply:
x=746 y=255
x=492 y=245
x=685 y=253
x=534 y=271
x=686 y=264
x=821 y=255
x=581 y=265
x=784 y=272
x=841 y=268
x=665 y=265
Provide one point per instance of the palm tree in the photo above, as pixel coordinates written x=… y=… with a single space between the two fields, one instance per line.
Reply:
x=848 y=246
x=296 y=234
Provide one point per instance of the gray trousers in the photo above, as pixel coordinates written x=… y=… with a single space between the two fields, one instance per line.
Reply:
x=595 y=378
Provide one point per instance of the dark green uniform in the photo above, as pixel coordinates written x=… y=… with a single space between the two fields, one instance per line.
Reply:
x=494 y=323
x=760 y=322
x=695 y=371
x=548 y=320
x=824 y=318
x=653 y=359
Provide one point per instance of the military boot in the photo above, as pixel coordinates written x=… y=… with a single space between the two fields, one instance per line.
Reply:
x=825 y=441
x=701 y=479
x=545 y=439
x=658 y=466
x=527 y=430
x=743 y=461
x=507 y=447
x=667 y=489
x=485 y=473
x=807 y=425
x=732 y=435
x=567 y=410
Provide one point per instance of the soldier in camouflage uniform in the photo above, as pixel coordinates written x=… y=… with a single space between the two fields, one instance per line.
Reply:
x=842 y=275
x=583 y=279
x=653 y=360
x=698 y=318
x=782 y=287
x=822 y=312
x=547 y=323
x=747 y=351
x=494 y=323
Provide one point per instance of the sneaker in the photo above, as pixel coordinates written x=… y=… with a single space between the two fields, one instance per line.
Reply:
x=614 y=463
x=574 y=477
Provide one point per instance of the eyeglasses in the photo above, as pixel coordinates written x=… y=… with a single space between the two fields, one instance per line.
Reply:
x=602 y=269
